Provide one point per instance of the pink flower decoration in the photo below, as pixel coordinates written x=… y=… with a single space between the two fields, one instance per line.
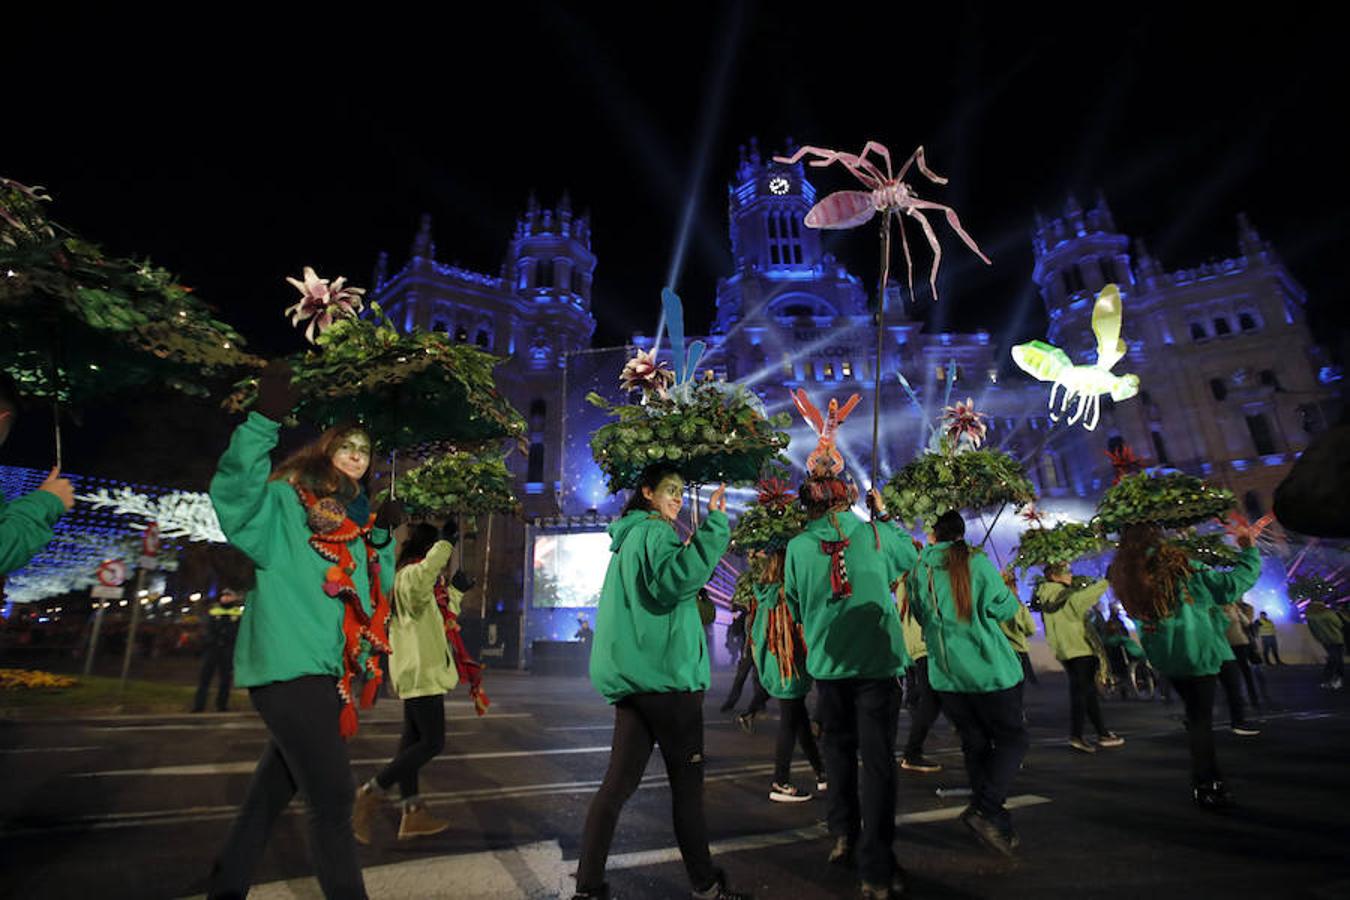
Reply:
x=1033 y=516
x=643 y=372
x=962 y=421
x=323 y=303
x=775 y=493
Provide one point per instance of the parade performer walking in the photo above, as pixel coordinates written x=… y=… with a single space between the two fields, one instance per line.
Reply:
x=1231 y=621
x=1171 y=601
x=1018 y=629
x=423 y=668
x=780 y=660
x=1326 y=628
x=838 y=576
x=649 y=658
x=1064 y=603
x=222 y=627
x=960 y=600
x=324 y=570
x=922 y=700
x=26 y=524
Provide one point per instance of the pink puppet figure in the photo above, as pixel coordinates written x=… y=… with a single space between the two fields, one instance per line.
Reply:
x=825 y=459
x=886 y=194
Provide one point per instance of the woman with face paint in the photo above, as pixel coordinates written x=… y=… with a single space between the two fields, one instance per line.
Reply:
x=649 y=658
x=325 y=569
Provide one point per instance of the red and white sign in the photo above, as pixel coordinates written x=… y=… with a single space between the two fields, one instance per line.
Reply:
x=150 y=540
x=111 y=573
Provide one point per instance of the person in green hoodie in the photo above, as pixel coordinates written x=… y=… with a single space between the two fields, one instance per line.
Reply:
x=1064 y=603
x=1171 y=598
x=26 y=524
x=422 y=666
x=838 y=579
x=649 y=658
x=780 y=661
x=1325 y=625
x=324 y=568
x=960 y=600
x=1017 y=630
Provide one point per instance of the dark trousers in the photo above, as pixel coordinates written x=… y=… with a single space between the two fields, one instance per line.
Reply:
x=422 y=741
x=1198 y=695
x=1083 y=701
x=1027 y=671
x=794 y=727
x=860 y=717
x=993 y=742
x=1242 y=656
x=924 y=708
x=304 y=752
x=674 y=720
x=744 y=667
x=1230 y=679
x=1270 y=646
x=216 y=659
x=1335 y=664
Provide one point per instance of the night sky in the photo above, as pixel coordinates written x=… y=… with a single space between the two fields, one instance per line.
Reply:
x=237 y=150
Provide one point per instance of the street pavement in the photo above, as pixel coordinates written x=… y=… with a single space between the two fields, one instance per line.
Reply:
x=136 y=806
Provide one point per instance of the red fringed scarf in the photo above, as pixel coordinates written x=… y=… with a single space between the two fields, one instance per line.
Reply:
x=470 y=670
x=839 y=582
x=332 y=532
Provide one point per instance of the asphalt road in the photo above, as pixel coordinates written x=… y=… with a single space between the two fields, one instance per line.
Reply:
x=135 y=807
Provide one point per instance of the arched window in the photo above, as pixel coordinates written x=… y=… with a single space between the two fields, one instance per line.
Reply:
x=1263 y=438
x=1221 y=326
x=1198 y=332
x=483 y=339
x=545 y=279
x=1160 y=449
x=1247 y=321
x=1218 y=388
x=538 y=414
x=461 y=335
x=440 y=325
x=535 y=469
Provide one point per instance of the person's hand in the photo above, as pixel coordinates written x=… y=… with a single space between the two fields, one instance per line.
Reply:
x=461 y=582
x=1245 y=537
x=718 y=501
x=450 y=530
x=276 y=395
x=61 y=487
x=391 y=515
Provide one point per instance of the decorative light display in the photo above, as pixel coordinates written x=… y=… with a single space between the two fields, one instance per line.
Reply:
x=1085 y=384
x=181 y=514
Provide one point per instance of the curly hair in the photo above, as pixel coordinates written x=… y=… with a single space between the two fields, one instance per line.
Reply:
x=1148 y=575
x=822 y=494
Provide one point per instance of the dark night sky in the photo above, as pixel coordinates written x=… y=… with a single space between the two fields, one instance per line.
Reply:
x=235 y=151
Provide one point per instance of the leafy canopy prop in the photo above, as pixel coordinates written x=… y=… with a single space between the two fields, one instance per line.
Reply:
x=1059 y=545
x=709 y=432
x=98 y=323
x=1305 y=590
x=1210 y=549
x=408 y=389
x=773 y=520
x=459 y=483
x=1169 y=500
x=971 y=480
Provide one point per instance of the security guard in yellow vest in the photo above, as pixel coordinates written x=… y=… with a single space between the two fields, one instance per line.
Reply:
x=222 y=626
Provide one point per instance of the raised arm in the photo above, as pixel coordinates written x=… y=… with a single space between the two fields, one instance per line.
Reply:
x=675 y=571
x=246 y=503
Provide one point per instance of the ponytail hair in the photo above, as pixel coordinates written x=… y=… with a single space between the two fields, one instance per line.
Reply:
x=950 y=528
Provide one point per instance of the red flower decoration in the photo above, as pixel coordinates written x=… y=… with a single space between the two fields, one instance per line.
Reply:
x=962 y=421
x=775 y=493
x=1125 y=462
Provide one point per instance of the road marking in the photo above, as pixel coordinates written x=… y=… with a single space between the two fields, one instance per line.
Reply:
x=200 y=725
x=538 y=870
x=247 y=767
x=49 y=749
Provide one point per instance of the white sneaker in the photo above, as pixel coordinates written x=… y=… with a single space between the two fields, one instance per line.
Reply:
x=786 y=793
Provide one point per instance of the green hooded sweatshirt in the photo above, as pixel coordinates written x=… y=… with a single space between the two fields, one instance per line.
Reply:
x=420 y=662
x=857 y=636
x=648 y=636
x=1186 y=644
x=290 y=627
x=26 y=527
x=1019 y=628
x=971 y=657
x=1324 y=623
x=1064 y=611
x=767 y=598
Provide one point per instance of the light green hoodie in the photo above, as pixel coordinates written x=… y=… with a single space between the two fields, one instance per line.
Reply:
x=421 y=664
x=858 y=636
x=1064 y=611
x=1019 y=628
x=290 y=627
x=1324 y=623
x=767 y=599
x=648 y=636
x=971 y=657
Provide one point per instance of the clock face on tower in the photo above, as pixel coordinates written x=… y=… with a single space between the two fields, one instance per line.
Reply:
x=779 y=185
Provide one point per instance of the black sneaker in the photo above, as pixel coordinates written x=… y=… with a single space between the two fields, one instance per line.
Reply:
x=720 y=891
x=920 y=764
x=601 y=893
x=841 y=854
x=1212 y=796
x=747 y=722
x=1003 y=840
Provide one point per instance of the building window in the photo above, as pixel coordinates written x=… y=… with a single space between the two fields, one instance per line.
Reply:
x=1198 y=332
x=1247 y=322
x=1049 y=474
x=787 y=366
x=1218 y=388
x=1160 y=449
x=1073 y=280
x=774 y=258
x=1311 y=416
x=461 y=335
x=535 y=469
x=524 y=278
x=829 y=371
x=440 y=325
x=538 y=414
x=1221 y=326
x=483 y=340
x=1268 y=379
x=846 y=368
x=1262 y=437
x=545 y=274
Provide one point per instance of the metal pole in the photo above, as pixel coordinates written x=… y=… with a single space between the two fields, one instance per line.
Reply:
x=881 y=321
x=990 y=531
x=483 y=586
x=693 y=507
x=93 y=637
x=131 y=631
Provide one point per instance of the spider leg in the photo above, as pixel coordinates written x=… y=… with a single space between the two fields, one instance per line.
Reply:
x=1054 y=386
x=917 y=157
x=1095 y=411
x=828 y=156
x=909 y=262
x=932 y=242
x=879 y=150
x=954 y=221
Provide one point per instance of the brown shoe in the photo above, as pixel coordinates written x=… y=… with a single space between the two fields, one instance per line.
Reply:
x=418 y=822
x=363 y=813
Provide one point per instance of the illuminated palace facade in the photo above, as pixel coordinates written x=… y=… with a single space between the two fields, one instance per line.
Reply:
x=1233 y=385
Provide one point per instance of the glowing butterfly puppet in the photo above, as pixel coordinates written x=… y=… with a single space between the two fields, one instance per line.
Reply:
x=1085 y=384
x=887 y=194
x=826 y=457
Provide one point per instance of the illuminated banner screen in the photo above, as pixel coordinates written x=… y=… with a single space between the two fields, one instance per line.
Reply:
x=569 y=569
